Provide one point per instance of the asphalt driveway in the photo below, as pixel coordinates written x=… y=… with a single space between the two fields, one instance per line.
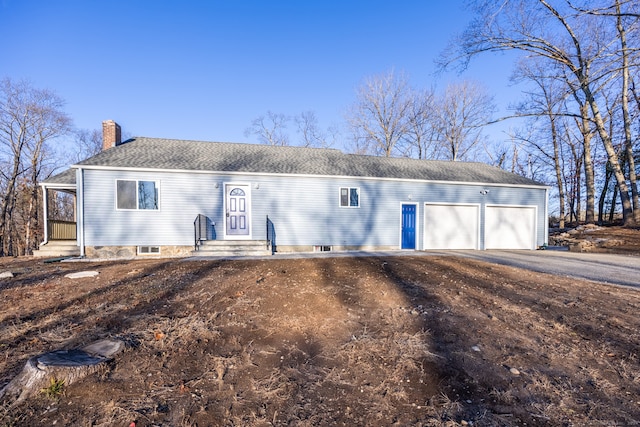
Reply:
x=607 y=268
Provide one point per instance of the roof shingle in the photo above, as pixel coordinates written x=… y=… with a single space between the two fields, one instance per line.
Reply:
x=172 y=154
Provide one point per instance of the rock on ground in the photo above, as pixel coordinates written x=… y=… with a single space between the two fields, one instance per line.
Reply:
x=81 y=274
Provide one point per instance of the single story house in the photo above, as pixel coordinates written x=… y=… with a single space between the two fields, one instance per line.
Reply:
x=170 y=197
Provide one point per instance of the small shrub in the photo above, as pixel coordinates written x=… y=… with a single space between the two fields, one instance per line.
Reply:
x=55 y=388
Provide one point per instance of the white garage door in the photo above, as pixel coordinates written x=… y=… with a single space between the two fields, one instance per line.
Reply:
x=510 y=227
x=451 y=226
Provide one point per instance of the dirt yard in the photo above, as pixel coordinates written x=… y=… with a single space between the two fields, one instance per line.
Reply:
x=424 y=341
x=591 y=238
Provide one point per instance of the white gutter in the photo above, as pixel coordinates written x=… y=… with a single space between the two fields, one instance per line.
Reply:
x=80 y=210
x=546 y=217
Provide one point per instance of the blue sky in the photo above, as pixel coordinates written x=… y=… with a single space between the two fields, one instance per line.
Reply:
x=204 y=70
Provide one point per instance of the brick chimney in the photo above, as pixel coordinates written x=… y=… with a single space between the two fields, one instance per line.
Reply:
x=111 y=134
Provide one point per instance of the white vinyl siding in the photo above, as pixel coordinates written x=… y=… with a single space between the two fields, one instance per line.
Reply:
x=313 y=218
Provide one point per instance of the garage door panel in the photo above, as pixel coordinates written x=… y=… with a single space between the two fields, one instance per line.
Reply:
x=451 y=226
x=510 y=227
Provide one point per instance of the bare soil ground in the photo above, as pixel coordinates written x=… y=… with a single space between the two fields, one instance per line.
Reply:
x=376 y=341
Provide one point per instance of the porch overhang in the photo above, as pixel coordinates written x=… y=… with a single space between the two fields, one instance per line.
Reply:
x=54 y=228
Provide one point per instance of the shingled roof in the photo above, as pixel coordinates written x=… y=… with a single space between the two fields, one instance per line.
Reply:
x=64 y=179
x=173 y=154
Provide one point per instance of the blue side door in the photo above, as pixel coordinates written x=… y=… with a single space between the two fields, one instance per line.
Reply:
x=408 y=227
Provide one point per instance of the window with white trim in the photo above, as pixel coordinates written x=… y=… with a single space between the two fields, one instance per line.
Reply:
x=349 y=197
x=148 y=250
x=136 y=195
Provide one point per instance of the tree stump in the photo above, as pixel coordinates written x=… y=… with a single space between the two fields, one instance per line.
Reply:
x=61 y=365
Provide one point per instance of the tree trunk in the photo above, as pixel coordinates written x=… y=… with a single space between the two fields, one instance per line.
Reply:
x=612 y=211
x=558 y=168
x=576 y=205
x=626 y=116
x=627 y=209
x=589 y=179
x=32 y=224
x=603 y=195
x=8 y=201
x=9 y=226
x=633 y=183
x=32 y=228
x=62 y=367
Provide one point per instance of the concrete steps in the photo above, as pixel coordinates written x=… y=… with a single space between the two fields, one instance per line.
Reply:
x=58 y=248
x=224 y=248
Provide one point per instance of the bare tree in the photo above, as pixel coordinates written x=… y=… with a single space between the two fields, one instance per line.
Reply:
x=626 y=14
x=30 y=119
x=88 y=143
x=421 y=136
x=610 y=190
x=521 y=160
x=583 y=123
x=587 y=133
x=379 y=118
x=459 y=117
x=311 y=134
x=625 y=54
x=545 y=106
x=576 y=41
x=270 y=129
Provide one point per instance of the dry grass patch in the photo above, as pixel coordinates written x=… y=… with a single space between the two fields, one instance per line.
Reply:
x=420 y=341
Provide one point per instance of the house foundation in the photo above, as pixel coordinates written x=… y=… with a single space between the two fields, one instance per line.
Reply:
x=129 y=252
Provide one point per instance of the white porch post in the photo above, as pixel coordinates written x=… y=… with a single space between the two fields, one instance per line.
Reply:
x=45 y=208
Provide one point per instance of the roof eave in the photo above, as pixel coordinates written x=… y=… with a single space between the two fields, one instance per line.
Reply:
x=272 y=174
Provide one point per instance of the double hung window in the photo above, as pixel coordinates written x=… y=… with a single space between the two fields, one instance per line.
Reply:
x=349 y=197
x=136 y=195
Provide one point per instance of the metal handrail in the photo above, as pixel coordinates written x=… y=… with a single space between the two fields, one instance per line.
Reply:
x=197 y=231
x=270 y=235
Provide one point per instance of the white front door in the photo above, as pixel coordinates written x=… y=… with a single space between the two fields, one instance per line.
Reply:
x=237 y=206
